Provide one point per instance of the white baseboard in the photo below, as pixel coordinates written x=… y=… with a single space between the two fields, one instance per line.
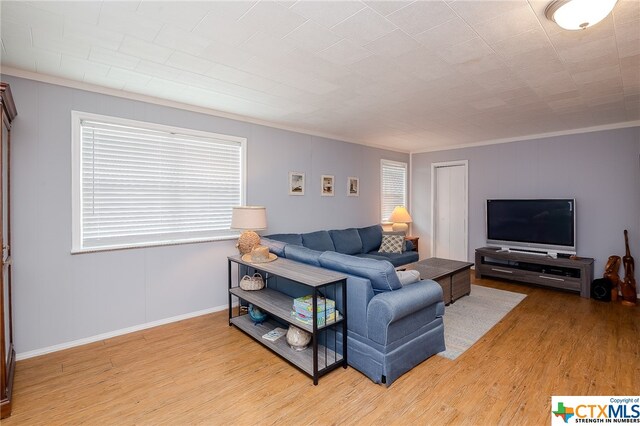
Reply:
x=110 y=334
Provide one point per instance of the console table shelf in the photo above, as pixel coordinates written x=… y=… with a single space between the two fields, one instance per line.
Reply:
x=276 y=303
x=301 y=359
x=323 y=354
x=562 y=273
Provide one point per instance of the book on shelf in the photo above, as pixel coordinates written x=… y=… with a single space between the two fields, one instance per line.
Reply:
x=305 y=303
x=274 y=334
x=308 y=319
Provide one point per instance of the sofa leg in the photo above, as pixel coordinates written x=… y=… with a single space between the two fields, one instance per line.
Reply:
x=383 y=380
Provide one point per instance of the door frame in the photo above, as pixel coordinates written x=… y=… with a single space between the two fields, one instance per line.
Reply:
x=435 y=166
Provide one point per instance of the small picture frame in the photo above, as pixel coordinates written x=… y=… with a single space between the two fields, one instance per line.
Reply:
x=296 y=183
x=353 y=187
x=327 y=186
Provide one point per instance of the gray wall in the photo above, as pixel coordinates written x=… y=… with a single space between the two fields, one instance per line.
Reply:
x=59 y=298
x=601 y=170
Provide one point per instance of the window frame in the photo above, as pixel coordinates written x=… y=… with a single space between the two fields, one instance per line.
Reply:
x=76 y=179
x=405 y=166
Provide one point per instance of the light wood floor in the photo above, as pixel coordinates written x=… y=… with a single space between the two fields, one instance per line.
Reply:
x=203 y=371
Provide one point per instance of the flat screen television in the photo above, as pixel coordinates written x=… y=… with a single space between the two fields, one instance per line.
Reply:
x=544 y=225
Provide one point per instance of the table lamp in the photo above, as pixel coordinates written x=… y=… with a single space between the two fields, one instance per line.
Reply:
x=400 y=217
x=249 y=219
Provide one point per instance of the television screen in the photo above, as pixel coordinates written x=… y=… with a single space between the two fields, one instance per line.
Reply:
x=532 y=223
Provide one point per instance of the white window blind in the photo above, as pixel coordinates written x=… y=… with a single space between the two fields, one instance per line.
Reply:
x=393 y=177
x=144 y=184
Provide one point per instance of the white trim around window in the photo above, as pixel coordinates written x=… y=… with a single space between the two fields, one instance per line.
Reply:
x=138 y=184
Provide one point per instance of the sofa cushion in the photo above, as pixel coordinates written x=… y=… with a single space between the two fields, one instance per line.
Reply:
x=274 y=246
x=398 y=259
x=391 y=244
x=302 y=254
x=319 y=240
x=381 y=274
x=372 y=255
x=287 y=238
x=346 y=241
x=371 y=237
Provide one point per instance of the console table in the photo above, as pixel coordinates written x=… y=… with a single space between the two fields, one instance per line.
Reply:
x=562 y=273
x=325 y=354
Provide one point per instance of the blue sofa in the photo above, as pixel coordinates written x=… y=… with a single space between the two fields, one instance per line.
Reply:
x=391 y=328
x=359 y=242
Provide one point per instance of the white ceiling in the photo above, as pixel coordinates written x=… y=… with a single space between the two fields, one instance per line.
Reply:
x=406 y=75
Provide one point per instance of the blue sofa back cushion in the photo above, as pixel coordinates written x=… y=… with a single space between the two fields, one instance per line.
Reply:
x=346 y=241
x=371 y=238
x=274 y=246
x=302 y=254
x=319 y=240
x=287 y=238
x=381 y=273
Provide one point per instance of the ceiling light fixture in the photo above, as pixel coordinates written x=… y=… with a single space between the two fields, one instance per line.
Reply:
x=578 y=14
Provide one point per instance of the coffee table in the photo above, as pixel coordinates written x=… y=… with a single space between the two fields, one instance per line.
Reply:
x=452 y=275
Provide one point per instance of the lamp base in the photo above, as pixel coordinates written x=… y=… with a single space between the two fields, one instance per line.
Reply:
x=400 y=227
x=247 y=241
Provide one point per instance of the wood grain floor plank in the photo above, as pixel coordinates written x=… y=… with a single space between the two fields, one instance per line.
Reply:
x=201 y=371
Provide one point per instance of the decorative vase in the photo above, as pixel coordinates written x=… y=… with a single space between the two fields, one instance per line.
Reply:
x=298 y=339
x=256 y=315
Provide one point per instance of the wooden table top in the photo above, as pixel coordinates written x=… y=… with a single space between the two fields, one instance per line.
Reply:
x=435 y=267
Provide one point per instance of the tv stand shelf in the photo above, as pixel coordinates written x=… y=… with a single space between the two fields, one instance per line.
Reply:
x=567 y=274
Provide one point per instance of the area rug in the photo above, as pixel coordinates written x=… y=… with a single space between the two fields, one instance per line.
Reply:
x=469 y=318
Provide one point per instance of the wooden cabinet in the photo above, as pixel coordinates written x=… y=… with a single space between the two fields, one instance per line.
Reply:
x=7 y=352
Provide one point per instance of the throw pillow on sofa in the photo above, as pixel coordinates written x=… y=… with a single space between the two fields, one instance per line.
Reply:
x=406 y=242
x=391 y=244
x=408 y=277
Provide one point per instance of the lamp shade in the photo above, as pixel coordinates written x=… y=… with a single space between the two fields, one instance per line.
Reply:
x=578 y=14
x=400 y=215
x=249 y=218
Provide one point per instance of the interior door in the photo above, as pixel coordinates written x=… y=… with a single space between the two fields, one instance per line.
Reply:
x=449 y=210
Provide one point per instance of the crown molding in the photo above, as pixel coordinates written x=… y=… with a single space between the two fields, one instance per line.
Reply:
x=622 y=125
x=90 y=87
x=45 y=78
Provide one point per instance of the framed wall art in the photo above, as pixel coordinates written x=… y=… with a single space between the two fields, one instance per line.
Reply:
x=296 y=183
x=327 y=188
x=353 y=186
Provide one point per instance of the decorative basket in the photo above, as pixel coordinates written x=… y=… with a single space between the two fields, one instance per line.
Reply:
x=298 y=339
x=252 y=283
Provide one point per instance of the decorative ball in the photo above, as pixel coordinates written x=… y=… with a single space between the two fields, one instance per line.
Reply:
x=247 y=241
x=256 y=315
x=298 y=339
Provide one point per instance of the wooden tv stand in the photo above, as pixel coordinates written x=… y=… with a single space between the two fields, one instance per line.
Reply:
x=563 y=273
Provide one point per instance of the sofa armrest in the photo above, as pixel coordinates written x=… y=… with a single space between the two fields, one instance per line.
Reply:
x=391 y=306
